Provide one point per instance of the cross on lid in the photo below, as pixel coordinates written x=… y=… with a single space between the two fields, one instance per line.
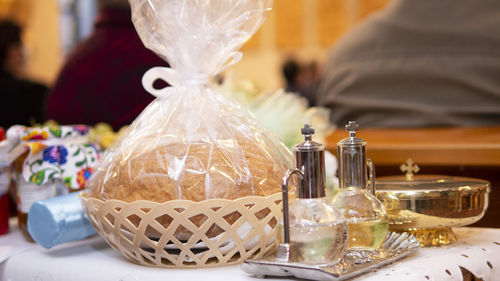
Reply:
x=409 y=168
x=352 y=128
x=307 y=131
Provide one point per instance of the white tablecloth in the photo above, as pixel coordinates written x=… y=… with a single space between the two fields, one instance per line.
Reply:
x=477 y=250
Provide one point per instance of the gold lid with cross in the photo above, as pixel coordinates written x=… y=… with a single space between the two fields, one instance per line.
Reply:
x=428 y=206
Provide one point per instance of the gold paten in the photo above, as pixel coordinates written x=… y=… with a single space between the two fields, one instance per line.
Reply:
x=428 y=206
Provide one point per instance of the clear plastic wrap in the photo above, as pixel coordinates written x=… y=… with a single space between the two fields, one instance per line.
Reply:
x=192 y=143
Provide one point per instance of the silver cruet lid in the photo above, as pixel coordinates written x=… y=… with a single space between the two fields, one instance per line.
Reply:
x=309 y=158
x=353 y=162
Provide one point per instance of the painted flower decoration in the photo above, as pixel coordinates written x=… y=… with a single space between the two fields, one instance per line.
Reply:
x=55 y=154
x=67 y=181
x=82 y=176
x=81 y=129
x=35 y=147
x=38 y=178
x=36 y=135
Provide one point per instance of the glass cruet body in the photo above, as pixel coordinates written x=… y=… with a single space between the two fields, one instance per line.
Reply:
x=316 y=229
x=365 y=214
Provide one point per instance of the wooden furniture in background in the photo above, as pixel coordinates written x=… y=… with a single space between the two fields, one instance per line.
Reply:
x=467 y=152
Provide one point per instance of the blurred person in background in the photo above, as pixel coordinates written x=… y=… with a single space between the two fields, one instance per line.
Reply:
x=22 y=101
x=101 y=79
x=418 y=64
x=301 y=79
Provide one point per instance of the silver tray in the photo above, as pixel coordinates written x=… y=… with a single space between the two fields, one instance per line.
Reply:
x=396 y=246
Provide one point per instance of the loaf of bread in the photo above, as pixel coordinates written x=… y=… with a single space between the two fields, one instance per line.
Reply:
x=195 y=171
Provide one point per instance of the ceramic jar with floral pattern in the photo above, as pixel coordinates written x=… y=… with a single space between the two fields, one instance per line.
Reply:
x=50 y=161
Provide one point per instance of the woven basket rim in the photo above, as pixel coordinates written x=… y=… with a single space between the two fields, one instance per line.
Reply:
x=86 y=196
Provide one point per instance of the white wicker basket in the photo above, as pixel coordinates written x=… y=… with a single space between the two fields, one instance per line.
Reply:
x=183 y=233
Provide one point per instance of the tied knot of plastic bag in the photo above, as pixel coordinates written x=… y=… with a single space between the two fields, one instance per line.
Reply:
x=172 y=77
x=198 y=79
x=175 y=79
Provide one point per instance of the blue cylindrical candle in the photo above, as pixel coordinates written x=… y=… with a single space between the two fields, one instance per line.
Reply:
x=59 y=220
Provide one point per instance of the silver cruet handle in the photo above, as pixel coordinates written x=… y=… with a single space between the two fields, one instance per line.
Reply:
x=371 y=174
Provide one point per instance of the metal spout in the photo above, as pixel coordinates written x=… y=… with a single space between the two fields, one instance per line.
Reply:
x=284 y=190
